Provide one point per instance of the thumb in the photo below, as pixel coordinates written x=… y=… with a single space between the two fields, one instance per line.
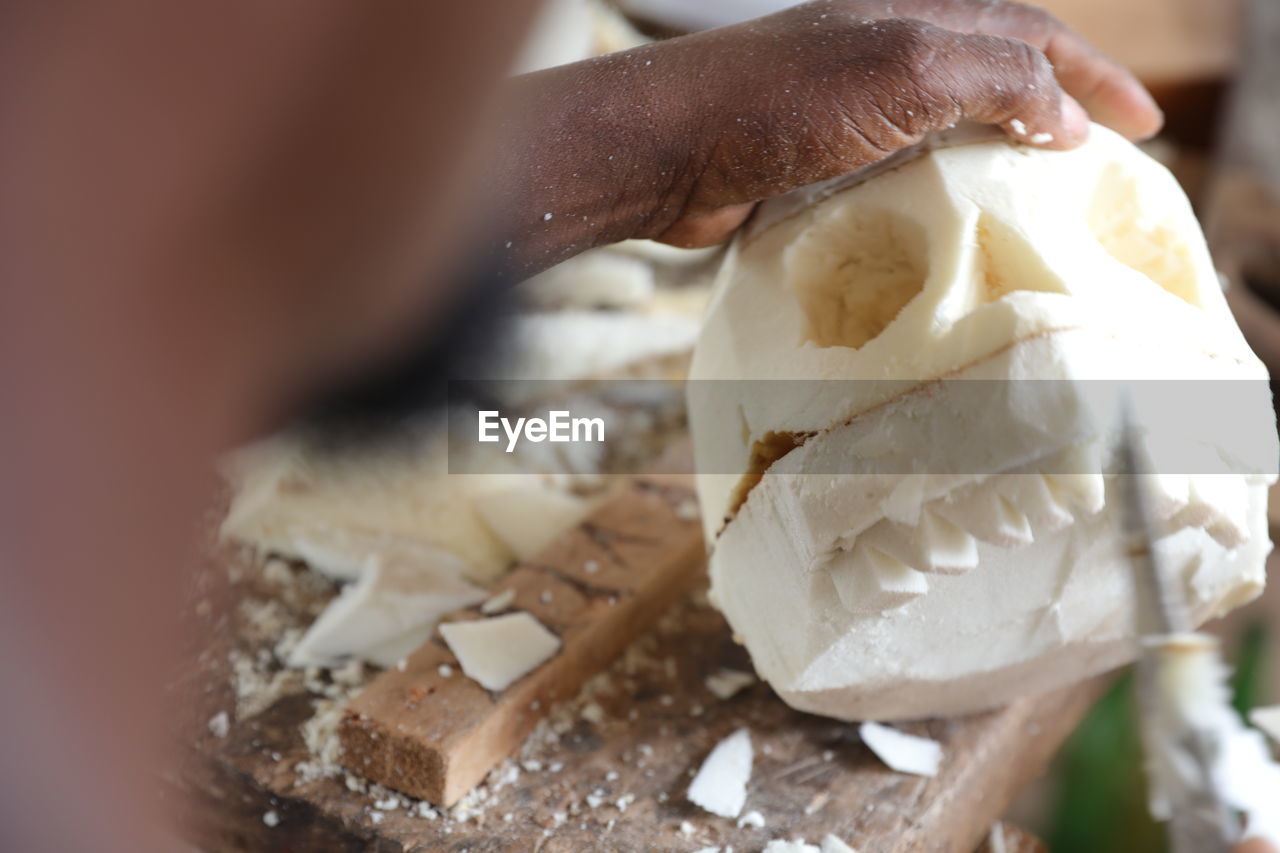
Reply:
x=1254 y=845
x=699 y=229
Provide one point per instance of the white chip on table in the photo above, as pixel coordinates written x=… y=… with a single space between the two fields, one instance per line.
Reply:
x=390 y=610
x=721 y=784
x=497 y=652
x=498 y=603
x=901 y=751
x=725 y=683
x=1267 y=719
x=530 y=516
x=779 y=845
x=831 y=844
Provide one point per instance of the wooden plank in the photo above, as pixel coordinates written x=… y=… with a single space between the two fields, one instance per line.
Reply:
x=435 y=736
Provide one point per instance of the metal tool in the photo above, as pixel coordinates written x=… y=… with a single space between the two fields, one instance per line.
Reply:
x=776 y=210
x=1180 y=676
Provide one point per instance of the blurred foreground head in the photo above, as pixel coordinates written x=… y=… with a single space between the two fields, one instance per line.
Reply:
x=208 y=213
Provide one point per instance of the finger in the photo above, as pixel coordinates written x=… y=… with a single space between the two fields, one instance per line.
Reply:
x=1107 y=90
x=987 y=79
x=1254 y=845
x=1068 y=115
x=1111 y=94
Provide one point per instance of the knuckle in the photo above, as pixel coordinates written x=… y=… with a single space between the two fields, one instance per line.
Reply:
x=1033 y=85
x=906 y=47
x=1032 y=21
x=1027 y=61
x=1029 y=13
x=914 y=41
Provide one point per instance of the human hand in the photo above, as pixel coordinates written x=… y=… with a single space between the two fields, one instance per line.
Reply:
x=828 y=87
x=678 y=140
x=1255 y=845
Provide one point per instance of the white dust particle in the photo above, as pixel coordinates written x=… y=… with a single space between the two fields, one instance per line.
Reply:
x=220 y=724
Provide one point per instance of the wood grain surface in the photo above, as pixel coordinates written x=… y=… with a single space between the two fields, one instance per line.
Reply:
x=597 y=587
x=611 y=780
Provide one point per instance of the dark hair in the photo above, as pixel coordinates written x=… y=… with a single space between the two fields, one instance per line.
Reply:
x=414 y=382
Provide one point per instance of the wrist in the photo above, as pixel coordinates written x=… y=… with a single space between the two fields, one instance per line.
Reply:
x=599 y=151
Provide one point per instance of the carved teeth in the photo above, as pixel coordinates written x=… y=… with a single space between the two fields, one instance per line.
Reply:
x=883 y=566
x=869 y=581
x=1217 y=503
x=1169 y=493
x=1213 y=502
x=1031 y=494
x=900 y=541
x=989 y=516
x=953 y=549
x=934 y=545
x=1082 y=486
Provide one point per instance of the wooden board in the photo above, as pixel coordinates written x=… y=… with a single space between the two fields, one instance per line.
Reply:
x=423 y=729
x=654 y=724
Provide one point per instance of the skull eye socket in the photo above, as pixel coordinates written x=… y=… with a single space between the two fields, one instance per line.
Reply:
x=1130 y=235
x=854 y=272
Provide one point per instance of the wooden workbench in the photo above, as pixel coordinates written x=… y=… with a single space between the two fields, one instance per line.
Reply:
x=633 y=755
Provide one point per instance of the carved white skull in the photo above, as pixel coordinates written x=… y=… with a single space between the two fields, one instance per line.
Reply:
x=907 y=547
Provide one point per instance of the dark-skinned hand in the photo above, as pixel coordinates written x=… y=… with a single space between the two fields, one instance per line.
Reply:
x=676 y=141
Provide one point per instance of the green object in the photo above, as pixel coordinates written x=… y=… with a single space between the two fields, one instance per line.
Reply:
x=1101 y=799
x=1248 y=684
x=1101 y=806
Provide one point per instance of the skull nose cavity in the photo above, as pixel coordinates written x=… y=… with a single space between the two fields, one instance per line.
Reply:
x=1006 y=262
x=1127 y=231
x=854 y=272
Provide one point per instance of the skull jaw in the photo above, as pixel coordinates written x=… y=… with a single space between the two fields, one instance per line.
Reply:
x=1026 y=620
x=922 y=458
x=1047 y=601
x=906 y=699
